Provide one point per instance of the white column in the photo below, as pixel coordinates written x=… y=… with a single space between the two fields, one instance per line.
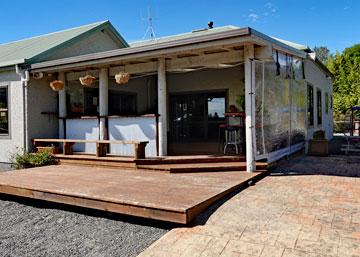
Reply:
x=62 y=106
x=162 y=107
x=103 y=101
x=249 y=108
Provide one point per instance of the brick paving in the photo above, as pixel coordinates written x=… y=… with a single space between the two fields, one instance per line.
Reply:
x=283 y=215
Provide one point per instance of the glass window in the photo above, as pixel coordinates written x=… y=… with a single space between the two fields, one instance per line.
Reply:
x=216 y=107
x=4 y=111
x=121 y=103
x=319 y=107
x=327 y=107
x=310 y=100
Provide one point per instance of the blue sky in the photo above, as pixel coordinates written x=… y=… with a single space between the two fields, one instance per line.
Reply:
x=333 y=23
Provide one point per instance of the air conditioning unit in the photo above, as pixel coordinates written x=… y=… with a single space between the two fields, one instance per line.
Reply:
x=38 y=75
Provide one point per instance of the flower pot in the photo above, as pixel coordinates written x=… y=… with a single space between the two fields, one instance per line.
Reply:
x=318 y=147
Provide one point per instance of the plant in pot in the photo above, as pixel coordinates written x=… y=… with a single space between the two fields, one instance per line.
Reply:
x=319 y=146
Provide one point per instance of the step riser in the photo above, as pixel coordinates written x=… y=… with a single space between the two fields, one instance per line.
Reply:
x=187 y=161
x=201 y=169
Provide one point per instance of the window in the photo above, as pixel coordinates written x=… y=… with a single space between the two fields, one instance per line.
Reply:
x=310 y=102
x=319 y=107
x=121 y=103
x=327 y=107
x=4 y=111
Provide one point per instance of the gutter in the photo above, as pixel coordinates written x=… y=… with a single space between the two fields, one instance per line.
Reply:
x=24 y=78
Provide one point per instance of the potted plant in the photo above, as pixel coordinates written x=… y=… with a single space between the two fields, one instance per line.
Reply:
x=319 y=146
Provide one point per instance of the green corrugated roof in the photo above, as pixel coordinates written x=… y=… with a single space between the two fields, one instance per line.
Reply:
x=192 y=34
x=18 y=52
x=294 y=45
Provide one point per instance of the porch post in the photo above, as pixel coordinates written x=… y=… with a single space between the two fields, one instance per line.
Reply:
x=103 y=102
x=162 y=107
x=62 y=106
x=249 y=108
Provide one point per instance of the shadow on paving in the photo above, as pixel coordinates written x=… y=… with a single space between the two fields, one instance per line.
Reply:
x=334 y=165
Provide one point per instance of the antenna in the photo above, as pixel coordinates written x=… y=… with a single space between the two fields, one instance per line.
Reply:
x=150 y=28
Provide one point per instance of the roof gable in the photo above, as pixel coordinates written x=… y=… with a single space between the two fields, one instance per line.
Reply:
x=21 y=51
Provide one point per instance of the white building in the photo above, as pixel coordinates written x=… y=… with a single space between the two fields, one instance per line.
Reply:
x=179 y=89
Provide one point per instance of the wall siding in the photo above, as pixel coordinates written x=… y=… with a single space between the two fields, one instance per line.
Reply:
x=317 y=78
x=15 y=141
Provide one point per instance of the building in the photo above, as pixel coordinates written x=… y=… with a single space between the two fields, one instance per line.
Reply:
x=179 y=89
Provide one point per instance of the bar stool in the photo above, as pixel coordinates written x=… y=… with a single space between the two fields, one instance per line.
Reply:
x=232 y=137
x=234 y=130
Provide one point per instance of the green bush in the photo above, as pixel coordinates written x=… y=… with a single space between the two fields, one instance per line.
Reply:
x=319 y=135
x=25 y=160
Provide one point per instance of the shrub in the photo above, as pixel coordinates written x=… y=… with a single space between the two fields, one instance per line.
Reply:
x=25 y=160
x=319 y=135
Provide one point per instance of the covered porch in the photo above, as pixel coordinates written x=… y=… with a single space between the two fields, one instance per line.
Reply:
x=180 y=93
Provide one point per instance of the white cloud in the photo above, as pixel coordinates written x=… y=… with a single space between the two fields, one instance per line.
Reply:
x=253 y=17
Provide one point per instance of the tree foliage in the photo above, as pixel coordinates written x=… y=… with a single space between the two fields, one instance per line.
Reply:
x=322 y=53
x=345 y=67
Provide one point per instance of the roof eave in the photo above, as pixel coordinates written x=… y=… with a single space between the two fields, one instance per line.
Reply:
x=12 y=63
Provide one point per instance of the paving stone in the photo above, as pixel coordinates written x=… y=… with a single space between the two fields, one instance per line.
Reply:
x=281 y=216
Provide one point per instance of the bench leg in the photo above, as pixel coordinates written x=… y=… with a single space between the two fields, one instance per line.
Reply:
x=140 y=151
x=67 y=148
x=101 y=149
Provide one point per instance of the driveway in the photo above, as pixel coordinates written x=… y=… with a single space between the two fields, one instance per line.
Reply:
x=292 y=213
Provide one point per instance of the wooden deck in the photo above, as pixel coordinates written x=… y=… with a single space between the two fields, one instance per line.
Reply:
x=156 y=195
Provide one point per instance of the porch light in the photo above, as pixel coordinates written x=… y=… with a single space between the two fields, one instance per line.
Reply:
x=87 y=80
x=122 y=78
x=57 y=85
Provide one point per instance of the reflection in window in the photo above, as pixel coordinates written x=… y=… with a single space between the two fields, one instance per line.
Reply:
x=319 y=107
x=4 y=112
x=310 y=101
x=216 y=107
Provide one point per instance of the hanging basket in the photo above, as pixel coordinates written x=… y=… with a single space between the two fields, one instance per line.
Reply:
x=87 y=80
x=122 y=78
x=57 y=85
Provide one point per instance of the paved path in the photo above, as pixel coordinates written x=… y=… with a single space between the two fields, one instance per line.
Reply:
x=281 y=216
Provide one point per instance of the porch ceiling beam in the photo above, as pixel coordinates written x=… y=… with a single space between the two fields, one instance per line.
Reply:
x=206 y=60
x=72 y=63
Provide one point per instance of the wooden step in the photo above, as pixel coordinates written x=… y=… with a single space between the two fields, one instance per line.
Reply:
x=201 y=167
x=88 y=160
x=190 y=159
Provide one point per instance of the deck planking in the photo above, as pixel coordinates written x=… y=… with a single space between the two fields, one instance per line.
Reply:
x=162 y=196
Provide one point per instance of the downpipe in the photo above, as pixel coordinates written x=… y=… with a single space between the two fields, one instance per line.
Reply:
x=25 y=77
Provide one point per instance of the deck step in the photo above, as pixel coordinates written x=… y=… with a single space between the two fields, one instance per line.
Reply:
x=201 y=167
x=190 y=160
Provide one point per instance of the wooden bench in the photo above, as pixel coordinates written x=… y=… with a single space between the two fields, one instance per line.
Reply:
x=101 y=145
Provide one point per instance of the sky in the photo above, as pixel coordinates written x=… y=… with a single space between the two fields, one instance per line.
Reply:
x=331 y=23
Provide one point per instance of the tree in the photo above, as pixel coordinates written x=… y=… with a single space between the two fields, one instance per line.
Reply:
x=345 y=67
x=322 y=53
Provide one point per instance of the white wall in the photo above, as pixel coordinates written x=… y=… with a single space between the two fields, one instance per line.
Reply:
x=83 y=129
x=15 y=141
x=318 y=79
x=133 y=129
x=42 y=99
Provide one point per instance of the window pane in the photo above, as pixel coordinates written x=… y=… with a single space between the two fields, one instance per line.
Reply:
x=4 y=122
x=216 y=107
x=310 y=101
x=3 y=98
x=319 y=107
x=326 y=103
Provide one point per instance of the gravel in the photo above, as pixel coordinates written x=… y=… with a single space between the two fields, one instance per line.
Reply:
x=37 y=228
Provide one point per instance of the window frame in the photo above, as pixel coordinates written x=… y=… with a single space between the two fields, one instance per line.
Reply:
x=319 y=107
x=310 y=106
x=327 y=105
x=8 y=110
